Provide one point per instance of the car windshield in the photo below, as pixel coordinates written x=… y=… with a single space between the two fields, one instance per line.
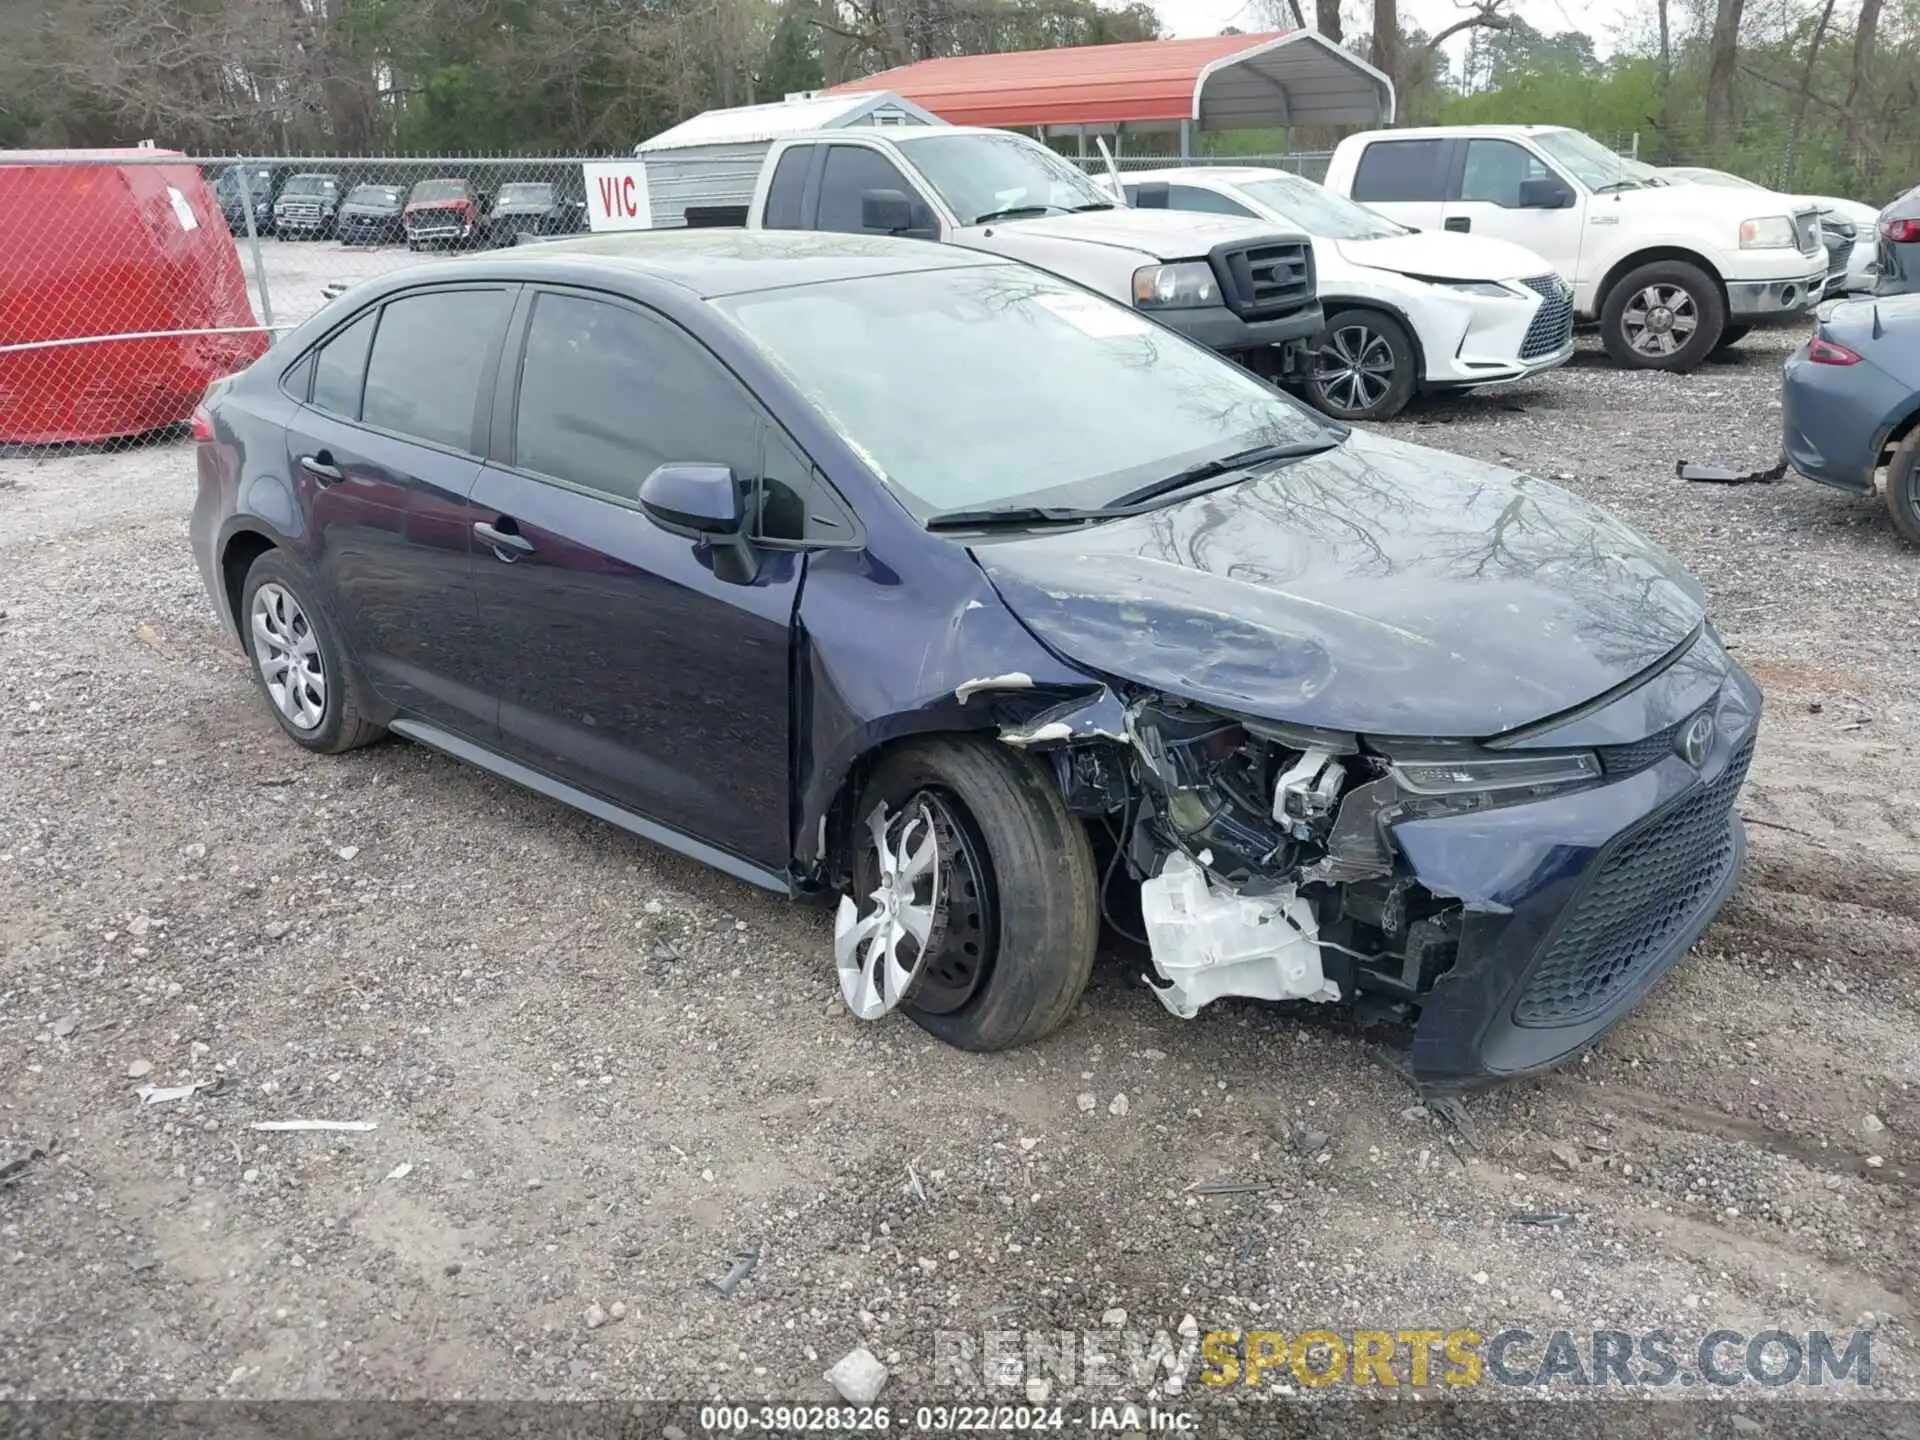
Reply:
x=1318 y=211
x=311 y=185
x=995 y=386
x=1716 y=177
x=1591 y=163
x=374 y=195
x=981 y=175
x=440 y=190
x=530 y=194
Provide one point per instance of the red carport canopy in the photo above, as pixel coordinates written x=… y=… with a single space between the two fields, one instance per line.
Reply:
x=1222 y=82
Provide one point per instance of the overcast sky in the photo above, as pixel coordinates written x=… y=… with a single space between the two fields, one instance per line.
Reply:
x=1601 y=19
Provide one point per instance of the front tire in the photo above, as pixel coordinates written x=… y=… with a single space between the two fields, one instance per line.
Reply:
x=1903 y=488
x=974 y=905
x=297 y=663
x=1362 y=366
x=1667 y=315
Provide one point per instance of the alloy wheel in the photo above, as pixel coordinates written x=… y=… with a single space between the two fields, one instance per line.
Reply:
x=1353 y=367
x=288 y=654
x=879 y=954
x=1660 y=320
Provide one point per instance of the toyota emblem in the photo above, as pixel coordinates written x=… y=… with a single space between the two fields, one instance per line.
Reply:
x=1697 y=739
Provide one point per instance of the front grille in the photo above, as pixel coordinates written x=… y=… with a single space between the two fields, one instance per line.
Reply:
x=1644 y=894
x=1552 y=323
x=436 y=221
x=1261 y=281
x=299 y=212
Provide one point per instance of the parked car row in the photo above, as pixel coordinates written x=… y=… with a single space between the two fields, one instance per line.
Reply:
x=433 y=213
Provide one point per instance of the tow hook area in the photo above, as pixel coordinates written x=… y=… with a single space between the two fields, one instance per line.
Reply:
x=1208 y=942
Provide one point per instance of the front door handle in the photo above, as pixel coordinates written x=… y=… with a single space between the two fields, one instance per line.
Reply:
x=1459 y=223
x=322 y=468
x=505 y=538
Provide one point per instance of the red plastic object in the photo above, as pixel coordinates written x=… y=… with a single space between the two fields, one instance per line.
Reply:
x=94 y=244
x=1822 y=351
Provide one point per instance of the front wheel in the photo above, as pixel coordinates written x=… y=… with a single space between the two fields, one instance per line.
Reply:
x=1667 y=315
x=973 y=907
x=1362 y=367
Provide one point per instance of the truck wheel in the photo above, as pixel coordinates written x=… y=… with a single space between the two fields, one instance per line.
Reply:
x=1903 y=488
x=1667 y=315
x=974 y=903
x=1363 y=366
x=1731 y=336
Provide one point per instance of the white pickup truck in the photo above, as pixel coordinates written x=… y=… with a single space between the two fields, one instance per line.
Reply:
x=1672 y=273
x=1242 y=287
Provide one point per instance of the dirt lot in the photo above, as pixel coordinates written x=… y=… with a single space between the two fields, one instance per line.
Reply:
x=593 y=1119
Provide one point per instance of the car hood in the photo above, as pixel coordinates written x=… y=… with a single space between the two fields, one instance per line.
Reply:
x=1443 y=256
x=1380 y=588
x=370 y=207
x=1163 y=234
x=1702 y=202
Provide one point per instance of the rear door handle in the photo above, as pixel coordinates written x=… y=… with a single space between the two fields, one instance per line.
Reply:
x=322 y=468
x=1459 y=223
x=507 y=543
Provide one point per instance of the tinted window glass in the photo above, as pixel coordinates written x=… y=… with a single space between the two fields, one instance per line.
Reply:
x=1192 y=197
x=783 y=194
x=339 y=368
x=608 y=394
x=1400 y=170
x=1494 y=171
x=850 y=173
x=424 y=377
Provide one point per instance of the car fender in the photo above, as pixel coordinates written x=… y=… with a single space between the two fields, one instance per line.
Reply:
x=1605 y=257
x=1439 y=322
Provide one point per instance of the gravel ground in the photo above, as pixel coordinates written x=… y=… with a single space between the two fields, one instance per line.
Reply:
x=600 y=1073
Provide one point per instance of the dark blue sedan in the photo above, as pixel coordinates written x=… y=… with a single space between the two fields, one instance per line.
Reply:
x=861 y=566
x=1850 y=403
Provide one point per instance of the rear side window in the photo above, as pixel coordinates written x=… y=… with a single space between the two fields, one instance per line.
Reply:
x=852 y=171
x=340 y=366
x=1192 y=197
x=423 y=378
x=783 y=192
x=1401 y=170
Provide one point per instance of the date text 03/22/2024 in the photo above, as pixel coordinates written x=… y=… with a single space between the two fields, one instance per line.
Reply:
x=942 y=1419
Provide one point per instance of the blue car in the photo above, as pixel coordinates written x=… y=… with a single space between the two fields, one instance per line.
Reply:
x=912 y=576
x=1850 y=403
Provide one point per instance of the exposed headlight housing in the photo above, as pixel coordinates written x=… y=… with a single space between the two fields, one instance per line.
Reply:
x=1768 y=232
x=1184 y=285
x=1479 y=774
x=1490 y=288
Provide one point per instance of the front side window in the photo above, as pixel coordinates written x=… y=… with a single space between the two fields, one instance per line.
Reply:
x=1495 y=170
x=607 y=395
x=982 y=175
x=993 y=385
x=1400 y=171
x=852 y=171
x=429 y=354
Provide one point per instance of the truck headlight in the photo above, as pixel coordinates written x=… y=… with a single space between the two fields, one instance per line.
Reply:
x=1180 y=286
x=1767 y=232
x=1505 y=772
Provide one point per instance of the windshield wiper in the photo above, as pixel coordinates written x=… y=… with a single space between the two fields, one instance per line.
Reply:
x=1090 y=205
x=1613 y=185
x=1025 y=515
x=1011 y=212
x=1225 y=465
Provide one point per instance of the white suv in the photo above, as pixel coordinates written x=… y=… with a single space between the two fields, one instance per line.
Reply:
x=1671 y=272
x=1406 y=310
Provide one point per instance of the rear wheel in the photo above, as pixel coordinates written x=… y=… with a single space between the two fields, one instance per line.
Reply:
x=1667 y=315
x=1363 y=366
x=296 y=661
x=974 y=907
x=1903 y=488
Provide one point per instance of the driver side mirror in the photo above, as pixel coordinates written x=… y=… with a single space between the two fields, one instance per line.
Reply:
x=1546 y=193
x=893 y=212
x=704 y=503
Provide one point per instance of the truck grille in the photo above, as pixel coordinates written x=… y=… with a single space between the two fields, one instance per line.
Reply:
x=299 y=212
x=1260 y=281
x=1643 y=895
x=1552 y=323
x=437 y=222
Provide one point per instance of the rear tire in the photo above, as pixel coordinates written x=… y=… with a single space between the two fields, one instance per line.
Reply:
x=297 y=663
x=1903 y=488
x=1361 y=366
x=1017 y=915
x=1667 y=315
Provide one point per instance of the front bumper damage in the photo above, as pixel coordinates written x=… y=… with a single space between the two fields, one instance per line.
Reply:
x=1505 y=928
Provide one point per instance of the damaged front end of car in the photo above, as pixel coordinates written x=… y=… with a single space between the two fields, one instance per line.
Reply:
x=1498 y=908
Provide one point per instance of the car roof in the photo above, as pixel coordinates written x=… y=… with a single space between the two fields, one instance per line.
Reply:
x=715 y=262
x=1418 y=132
x=1220 y=174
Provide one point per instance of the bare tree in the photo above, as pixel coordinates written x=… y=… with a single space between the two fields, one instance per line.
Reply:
x=1865 y=34
x=1723 y=57
x=1326 y=19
